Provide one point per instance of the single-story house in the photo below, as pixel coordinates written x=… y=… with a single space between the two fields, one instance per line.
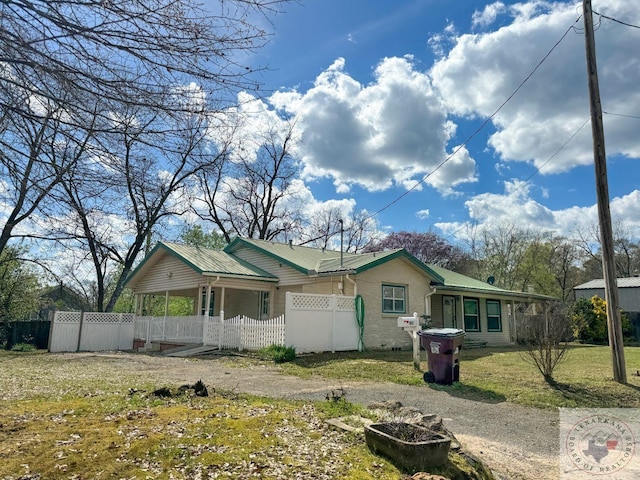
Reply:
x=628 y=297
x=252 y=277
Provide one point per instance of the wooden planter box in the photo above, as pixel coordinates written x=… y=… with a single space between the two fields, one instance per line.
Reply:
x=410 y=447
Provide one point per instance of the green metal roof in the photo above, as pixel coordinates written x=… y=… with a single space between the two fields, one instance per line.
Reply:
x=209 y=262
x=457 y=281
x=314 y=261
x=310 y=261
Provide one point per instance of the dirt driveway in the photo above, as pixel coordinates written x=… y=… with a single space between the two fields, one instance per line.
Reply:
x=515 y=442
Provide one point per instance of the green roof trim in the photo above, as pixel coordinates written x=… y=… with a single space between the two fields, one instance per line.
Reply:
x=300 y=258
x=208 y=262
x=459 y=282
x=311 y=261
x=216 y=262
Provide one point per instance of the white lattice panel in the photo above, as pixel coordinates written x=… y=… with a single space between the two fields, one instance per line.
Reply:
x=67 y=317
x=320 y=323
x=310 y=302
x=345 y=303
x=104 y=317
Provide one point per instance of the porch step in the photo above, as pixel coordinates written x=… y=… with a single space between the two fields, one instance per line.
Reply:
x=471 y=343
x=188 y=350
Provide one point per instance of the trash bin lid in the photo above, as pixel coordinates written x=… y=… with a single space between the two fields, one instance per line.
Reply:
x=443 y=332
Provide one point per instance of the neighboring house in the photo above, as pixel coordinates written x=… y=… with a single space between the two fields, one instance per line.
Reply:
x=59 y=297
x=628 y=297
x=252 y=277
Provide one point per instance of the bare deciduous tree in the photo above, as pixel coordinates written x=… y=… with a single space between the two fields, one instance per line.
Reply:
x=328 y=225
x=67 y=67
x=141 y=178
x=254 y=197
x=546 y=338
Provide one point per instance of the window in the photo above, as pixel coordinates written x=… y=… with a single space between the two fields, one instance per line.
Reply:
x=264 y=304
x=494 y=319
x=471 y=315
x=393 y=299
x=203 y=303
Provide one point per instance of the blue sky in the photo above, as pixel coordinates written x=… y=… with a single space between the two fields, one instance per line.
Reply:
x=384 y=92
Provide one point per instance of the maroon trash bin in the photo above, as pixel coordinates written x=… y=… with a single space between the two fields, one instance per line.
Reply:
x=443 y=347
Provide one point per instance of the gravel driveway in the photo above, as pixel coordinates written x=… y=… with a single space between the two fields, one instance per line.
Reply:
x=516 y=442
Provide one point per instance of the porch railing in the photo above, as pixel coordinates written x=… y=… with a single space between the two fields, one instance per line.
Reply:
x=240 y=332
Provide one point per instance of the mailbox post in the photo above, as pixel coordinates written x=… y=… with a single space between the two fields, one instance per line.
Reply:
x=411 y=325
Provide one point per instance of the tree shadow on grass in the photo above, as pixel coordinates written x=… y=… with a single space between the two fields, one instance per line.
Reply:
x=588 y=396
x=469 y=392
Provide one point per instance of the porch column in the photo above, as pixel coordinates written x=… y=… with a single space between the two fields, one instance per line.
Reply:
x=166 y=303
x=513 y=321
x=135 y=304
x=460 y=321
x=166 y=312
x=222 y=289
x=221 y=330
x=207 y=304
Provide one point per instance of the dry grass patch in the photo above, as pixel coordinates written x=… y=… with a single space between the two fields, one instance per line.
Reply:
x=66 y=417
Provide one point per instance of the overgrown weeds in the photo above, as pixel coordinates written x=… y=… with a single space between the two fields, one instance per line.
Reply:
x=278 y=353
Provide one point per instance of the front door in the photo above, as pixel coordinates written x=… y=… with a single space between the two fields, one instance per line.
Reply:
x=449 y=311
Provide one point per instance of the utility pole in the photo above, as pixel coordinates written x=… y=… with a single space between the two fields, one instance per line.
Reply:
x=614 y=322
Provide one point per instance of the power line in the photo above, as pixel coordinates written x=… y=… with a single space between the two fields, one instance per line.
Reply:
x=466 y=142
x=622 y=115
x=481 y=127
x=616 y=20
x=535 y=172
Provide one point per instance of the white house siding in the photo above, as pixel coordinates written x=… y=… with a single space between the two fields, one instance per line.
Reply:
x=241 y=302
x=492 y=338
x=381 y=331
x=286 y=274
x=169 y=273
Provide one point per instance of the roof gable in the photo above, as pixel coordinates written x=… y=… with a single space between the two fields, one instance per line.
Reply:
x=204 y=261
x=316 y=261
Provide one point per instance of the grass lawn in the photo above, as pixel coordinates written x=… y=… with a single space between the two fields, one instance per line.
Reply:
x=91 y=417
x=497 y=374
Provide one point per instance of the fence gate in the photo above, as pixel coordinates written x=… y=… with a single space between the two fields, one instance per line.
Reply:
x=320 y=323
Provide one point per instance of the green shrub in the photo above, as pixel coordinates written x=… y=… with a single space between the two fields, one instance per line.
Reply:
x=278 y=353
x=589 y=321
x=23 y=347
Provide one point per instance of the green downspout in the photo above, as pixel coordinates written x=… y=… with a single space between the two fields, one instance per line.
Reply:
x=360 y=320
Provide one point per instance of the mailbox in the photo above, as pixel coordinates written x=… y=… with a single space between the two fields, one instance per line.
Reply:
x=408 y=322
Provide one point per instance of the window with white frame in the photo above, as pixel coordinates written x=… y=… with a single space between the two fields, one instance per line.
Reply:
x=471 y=315
x=394 y=299
x=494 y=318
x=264 y=304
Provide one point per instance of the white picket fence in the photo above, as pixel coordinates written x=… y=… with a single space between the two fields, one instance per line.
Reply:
x=91 y=332
x=243 y=332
